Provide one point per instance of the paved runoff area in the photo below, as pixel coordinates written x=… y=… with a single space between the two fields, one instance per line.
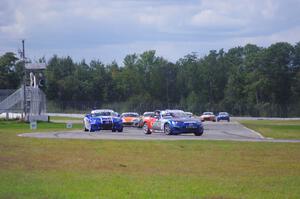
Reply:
x=232 y=131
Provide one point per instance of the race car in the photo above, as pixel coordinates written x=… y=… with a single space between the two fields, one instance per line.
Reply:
x=223 y=116
x=208 y=116
x=130 y=119
x=103 y=119
x=146 y=116
x=173 y=122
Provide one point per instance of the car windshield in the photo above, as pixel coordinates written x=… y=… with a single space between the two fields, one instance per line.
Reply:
x=167 y=116
x=148 y=114
x=103 y=114
x=178 y=114
x=130 y=115
x=223 y=113
x=207 y=113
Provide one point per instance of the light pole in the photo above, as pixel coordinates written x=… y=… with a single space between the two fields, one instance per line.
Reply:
x=24 y=79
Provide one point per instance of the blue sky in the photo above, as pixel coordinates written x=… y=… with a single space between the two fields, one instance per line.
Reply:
x=109 y=30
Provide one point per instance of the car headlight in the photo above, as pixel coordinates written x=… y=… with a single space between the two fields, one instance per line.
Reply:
x=177 y=123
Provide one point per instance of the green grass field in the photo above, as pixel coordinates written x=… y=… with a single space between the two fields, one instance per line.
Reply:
x=60 y=119
x=51 y=168
x=64 y=118
x=280 y=129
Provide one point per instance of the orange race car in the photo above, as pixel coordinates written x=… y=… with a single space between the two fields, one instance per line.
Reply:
x=130 y=118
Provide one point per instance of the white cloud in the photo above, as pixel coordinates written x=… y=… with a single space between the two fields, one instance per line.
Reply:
x=291 y=35
x=210 y=18
x=15 y=29
x=270 y=9
x=112 y=29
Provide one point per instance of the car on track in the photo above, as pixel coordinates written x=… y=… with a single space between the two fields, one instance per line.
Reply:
x=145 y=117
x=103 y=119
x=223 y=116
x=130 y=118
x=172 y=122
x=190 y=114
x=208 y=116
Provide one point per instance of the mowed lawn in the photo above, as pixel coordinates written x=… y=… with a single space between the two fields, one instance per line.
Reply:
x=280 y=129
x=57 y=168
x=60 y=119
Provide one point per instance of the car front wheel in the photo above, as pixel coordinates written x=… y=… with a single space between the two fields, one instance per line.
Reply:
x=146 y=129
x=167 y=129
x=91 y=129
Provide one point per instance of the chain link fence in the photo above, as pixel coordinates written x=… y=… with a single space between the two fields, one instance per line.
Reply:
x=87 y=106
x=261 y=110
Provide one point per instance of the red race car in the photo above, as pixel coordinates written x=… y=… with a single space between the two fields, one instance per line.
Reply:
x=208 y=116
x=146 y=116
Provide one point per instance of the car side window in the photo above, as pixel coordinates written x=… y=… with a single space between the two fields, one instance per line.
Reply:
x=156 y=117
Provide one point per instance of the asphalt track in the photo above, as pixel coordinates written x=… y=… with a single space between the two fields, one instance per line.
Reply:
x=231 y=131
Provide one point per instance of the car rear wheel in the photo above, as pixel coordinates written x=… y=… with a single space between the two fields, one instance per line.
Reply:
x=146 y=129
x=167 y=129
x=120 y=130
x=198 y=133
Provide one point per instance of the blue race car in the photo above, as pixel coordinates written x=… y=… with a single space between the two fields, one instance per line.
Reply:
x=173 y=122
x=223 y=116
x=103 y=119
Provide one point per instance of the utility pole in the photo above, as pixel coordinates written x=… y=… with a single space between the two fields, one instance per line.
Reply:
x=24 y=79
x=23 y=49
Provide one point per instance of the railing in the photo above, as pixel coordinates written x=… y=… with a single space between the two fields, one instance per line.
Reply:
x=35 y=101
x=12 y=100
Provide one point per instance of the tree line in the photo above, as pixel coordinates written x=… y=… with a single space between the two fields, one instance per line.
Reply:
x=248 y=80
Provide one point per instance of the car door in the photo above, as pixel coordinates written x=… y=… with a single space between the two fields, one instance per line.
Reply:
x=157 y=124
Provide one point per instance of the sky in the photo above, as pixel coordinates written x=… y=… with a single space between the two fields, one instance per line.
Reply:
x=110 y=30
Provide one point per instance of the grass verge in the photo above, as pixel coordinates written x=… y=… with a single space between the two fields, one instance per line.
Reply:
x=52 y=168
x=64 y=118
x=60 y=119
x=280 y=129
